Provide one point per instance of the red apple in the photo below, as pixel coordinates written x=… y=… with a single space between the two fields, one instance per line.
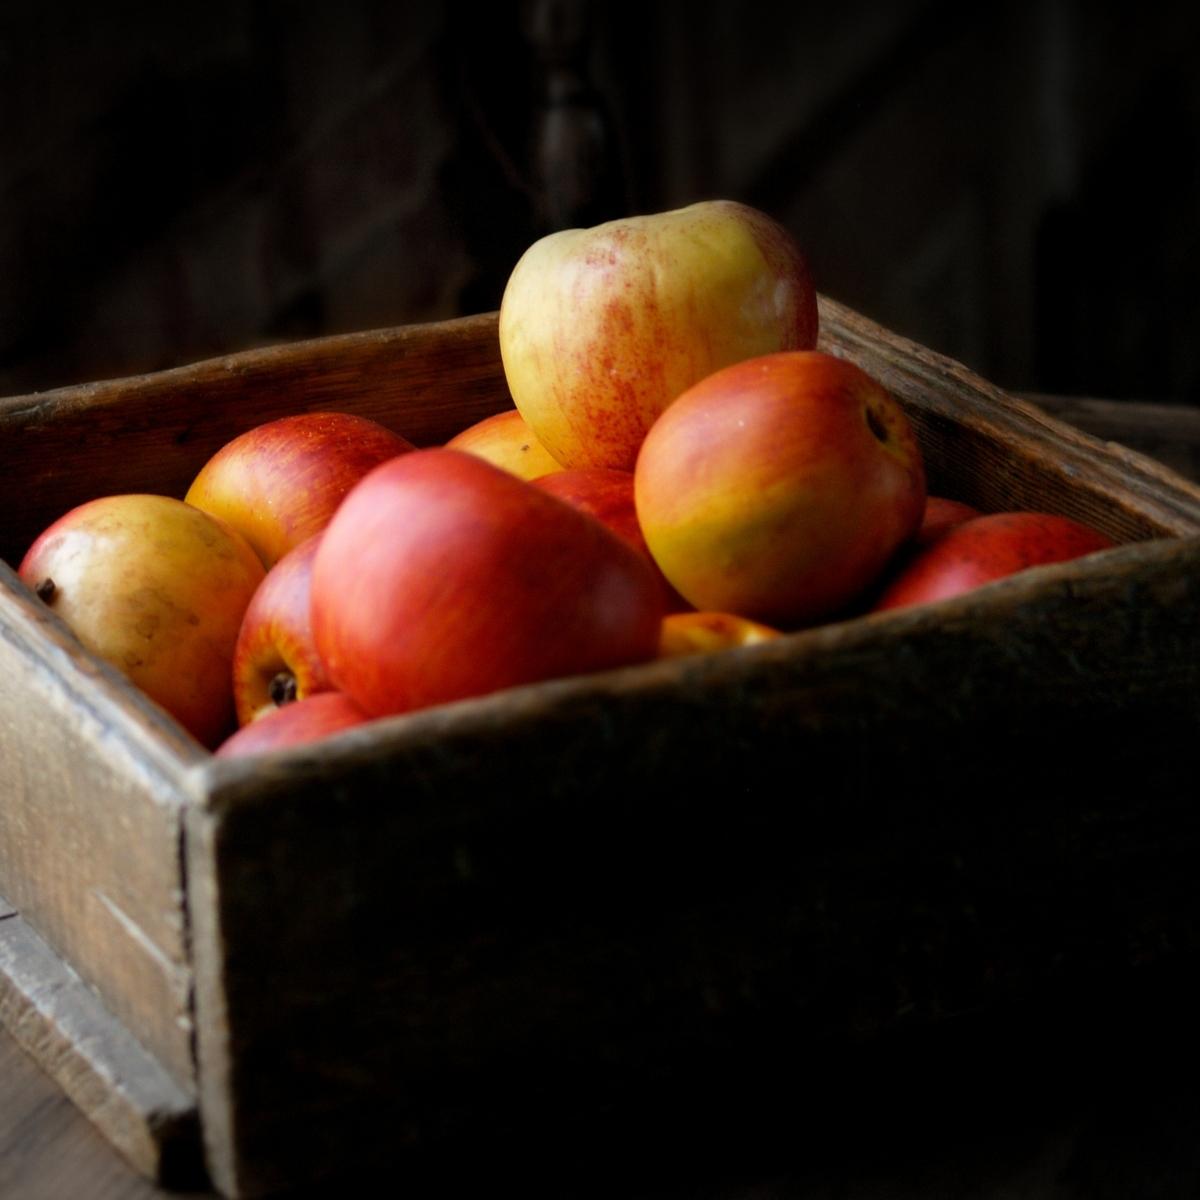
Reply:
x=984 y=549
x=279 y=483
x=705 y=632
x=779 y=488
x=296 y=724
x=600 y=329
x=505 y=440
x=442 y=576
x=157 y=588
x=275 y=661
x=941 y=514
x=607 y=494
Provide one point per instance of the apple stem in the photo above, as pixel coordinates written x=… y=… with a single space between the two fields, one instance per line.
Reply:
x=46 y=590
x=282 y=688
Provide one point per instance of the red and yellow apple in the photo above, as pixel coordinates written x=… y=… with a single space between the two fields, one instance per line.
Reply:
x=297 y=724
x=778 y=488
x=505 y=440
x=689 y=633
x=602 y=328
x=442 y=576
x=985 y=549
x=275 y=661
x=157 y=588
x=280 y=482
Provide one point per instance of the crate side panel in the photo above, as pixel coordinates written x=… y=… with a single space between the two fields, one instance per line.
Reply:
x=90 y=829
x=489 y=919
x=1000 y=452
x=61 y=1023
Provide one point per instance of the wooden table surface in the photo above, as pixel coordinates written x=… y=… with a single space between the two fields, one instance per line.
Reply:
x=1100 y=1098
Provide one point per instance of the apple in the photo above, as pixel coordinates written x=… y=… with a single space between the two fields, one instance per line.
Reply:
x=942 y=513
x=984 y=549
x=275 y=661
x=306 y=720
x=506 y=440
x=157 y=588
x=607 y=494
x=442 y=576
x=779 y=488
x=688 y=633
x=602 y=328
x=280 y=482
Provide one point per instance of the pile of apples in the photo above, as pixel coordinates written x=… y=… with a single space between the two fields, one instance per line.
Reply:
x=682 y=471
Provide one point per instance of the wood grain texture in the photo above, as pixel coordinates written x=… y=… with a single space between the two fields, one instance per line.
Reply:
x=1001 y=452
x=654 y=881
x=92 y=1056
x=48 y=1149
x=152 y=433
x=1168 y=433
x=90 y=824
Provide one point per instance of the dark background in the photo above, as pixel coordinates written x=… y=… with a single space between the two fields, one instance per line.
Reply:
x=1016 y=185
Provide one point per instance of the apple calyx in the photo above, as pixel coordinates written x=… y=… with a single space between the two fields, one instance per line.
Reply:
x=46 y=590
x=282 y=689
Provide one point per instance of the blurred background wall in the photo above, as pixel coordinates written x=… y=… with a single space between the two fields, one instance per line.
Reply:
x=1017 y=185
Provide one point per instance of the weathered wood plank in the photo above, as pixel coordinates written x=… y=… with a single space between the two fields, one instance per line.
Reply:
x=90 y=824
x=121 y=1088
x=1168 y=433
x=567 y=895
x=1000 y=452
x=153 y=432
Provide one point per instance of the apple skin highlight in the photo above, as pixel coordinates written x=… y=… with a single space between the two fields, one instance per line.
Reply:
x=985 y=549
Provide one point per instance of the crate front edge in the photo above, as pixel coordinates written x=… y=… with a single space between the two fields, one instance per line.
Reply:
x=580 y=892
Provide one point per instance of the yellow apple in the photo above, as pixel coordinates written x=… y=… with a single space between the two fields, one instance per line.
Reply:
x=602 y=328
x=687 y=633
x=158 y=589
x=505 y=440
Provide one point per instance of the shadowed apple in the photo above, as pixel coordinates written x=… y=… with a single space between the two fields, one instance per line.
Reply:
x=707 y=632
x=985 y=549
x=275 y=661
x=505 y=440
x=607 y=494
x=297 y=724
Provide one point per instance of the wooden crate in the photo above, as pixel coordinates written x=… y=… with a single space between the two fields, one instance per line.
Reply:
x=567 y=897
